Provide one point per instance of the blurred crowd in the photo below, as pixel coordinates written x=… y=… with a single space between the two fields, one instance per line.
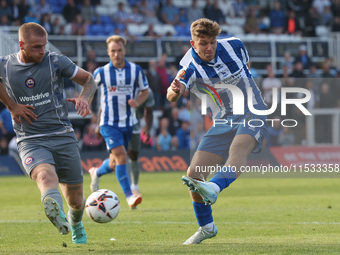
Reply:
x=104 y=17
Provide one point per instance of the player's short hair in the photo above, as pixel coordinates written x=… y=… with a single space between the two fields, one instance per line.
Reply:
x=31 y=28
x=116 y=38
x=205 y=27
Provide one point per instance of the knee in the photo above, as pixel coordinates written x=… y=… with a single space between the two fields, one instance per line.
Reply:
x=77 y=202
x=133 y=155
x=44 y=177
x=112 y=164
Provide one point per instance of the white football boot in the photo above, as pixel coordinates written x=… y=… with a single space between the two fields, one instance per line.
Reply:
x=94 y=186
x=201 y=235
x=203 y=188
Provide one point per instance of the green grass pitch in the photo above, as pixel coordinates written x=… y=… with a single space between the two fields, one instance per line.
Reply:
x=254 y=216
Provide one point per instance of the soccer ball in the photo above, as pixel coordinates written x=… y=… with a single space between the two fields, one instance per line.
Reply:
x=102 y=206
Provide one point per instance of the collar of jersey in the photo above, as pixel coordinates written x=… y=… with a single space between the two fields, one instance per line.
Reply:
x=202 y=62
x=111 y=65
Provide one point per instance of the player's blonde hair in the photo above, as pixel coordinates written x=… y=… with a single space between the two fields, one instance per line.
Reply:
x=204 y=27
x=116 y=38
x=31 y=28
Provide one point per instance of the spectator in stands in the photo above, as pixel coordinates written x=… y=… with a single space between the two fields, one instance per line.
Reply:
x=227 y=8
x=287 y=61
x=135 y=17
x=183 y=135
x=43 y=8
x=303 y=57
x=70 y=11
x=286 y=137
x=89 y=13
x=184 y=112
x=240 y=8
x=182 y=17
x=326 y=18
x=293 y=27
x=311 y=21
x=163 y=139
x=251 y=25
x=175 y=122
x=217 y=14
x=149 y=11
x=277 y=19
x=327 y=100
x=151 y=32
x=16 y=19
x=314 y=91
x=4 y=24
x=90 y=140
x=121 y=16
x=23 y=10
x=77 y=133
x=163 y=73
x=6 y=126
x=91 y=63
x=5 y=9
x=46 y=22
x=31 y=16
x=170 y=13
x=208 y=9
x=336 y=24
x=194 y=12
x=335 y=7
x=320 y=5
x=298 y=72
x=274 y=131
x=78 y=26
x=154 y=80
x=268 y=83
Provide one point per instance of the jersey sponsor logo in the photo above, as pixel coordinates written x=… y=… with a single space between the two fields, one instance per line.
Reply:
x=30 y=83
x=29 y=160
x=113 y=89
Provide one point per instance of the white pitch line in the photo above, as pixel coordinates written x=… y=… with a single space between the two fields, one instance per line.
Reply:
x=186 y=222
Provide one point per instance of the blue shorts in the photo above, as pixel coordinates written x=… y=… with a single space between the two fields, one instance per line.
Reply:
x=219 y=137
x=115 y=136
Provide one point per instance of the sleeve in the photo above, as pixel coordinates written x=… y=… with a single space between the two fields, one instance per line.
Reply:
x=142 y=81
x=97 y=76
x=67 y=67
x=185 y=76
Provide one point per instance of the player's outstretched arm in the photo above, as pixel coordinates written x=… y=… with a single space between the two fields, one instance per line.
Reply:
x=82 y=103
x=175 y=90
x=17 y=110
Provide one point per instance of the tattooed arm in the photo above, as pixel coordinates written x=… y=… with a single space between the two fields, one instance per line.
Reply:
x=83 y=102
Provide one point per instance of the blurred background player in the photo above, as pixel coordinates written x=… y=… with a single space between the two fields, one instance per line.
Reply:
x=46 y=142
x=208 y=63
x=119 y=81
x=146 y=110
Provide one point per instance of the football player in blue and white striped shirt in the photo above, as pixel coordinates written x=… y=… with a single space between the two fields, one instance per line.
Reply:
x=216 y=68
x=119 y=81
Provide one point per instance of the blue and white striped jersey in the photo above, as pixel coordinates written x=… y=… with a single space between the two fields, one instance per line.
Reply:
x=117 y=86
x=228 y=67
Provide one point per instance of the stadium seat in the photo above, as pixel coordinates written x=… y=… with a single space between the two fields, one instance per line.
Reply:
x=135 y=29
x=105 y=19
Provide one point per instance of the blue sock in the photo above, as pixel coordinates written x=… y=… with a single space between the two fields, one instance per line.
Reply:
x=203 y=213
x=224 y=177
x=123 y=179
x=104 y=168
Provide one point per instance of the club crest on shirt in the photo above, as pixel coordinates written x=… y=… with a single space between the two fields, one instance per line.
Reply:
x=181 y=75
x=30 y=83
x=29 y=160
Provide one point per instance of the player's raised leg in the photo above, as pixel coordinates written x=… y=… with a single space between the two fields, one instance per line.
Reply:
x=202 y=190
x=47 y=181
